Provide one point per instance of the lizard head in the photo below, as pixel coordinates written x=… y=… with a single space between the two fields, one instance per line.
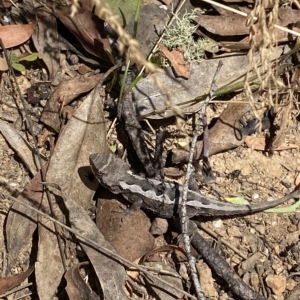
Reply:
x=100 y=163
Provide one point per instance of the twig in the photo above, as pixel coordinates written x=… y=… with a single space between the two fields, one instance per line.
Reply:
x=39 y=159
x=96 y=246
x=222 y=268
x=183 y=215
x=224 y=242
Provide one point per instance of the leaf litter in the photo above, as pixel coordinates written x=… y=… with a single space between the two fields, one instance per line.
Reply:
x=264 y=171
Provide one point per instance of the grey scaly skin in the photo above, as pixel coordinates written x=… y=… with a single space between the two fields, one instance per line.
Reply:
x=164 y=198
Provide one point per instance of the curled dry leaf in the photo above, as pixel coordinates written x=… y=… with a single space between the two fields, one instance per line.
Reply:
x=180 y=66
x=19 y=145
x=14 y=35
x=110 y=273
x=236 y=25
x=21 y=221
x=84 y=134
x=257 y=143
x=85 y=26
x=45 y=40
x=69 y=168
x=64 y=93
x=77 y=288
x=48 y=278
x=7 y=283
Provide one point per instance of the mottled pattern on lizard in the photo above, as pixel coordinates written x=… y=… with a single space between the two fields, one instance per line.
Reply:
x=164 y=198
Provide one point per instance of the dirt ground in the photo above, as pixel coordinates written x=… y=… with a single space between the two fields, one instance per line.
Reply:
x=263 y=248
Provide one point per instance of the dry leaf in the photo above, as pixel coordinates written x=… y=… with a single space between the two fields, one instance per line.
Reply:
x=19 y=145
x=88 y=29
x=110 y=273
x=77 y=288
x=260 y=144
x=64 y=93
x=45 y=40
x=48 y=267
x=69 y=168
x=7 y=283
x=14 y=35
x=180 y=66
x=21 y=221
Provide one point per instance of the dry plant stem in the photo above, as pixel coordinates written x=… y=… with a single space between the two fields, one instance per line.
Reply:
x=222 y=268
x=16 y=290
x=42 y=171
x=226 y=243
x=96 y=246
x=245 y=15
x=184 y=220
x=262 y=23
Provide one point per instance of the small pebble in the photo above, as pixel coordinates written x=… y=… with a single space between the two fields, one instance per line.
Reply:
x=276 y=283
x=260 y=229
x=159 y=226
x=217 y=223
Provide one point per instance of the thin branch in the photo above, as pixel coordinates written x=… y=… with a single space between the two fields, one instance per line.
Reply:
x=183 y=214
x=98 y=247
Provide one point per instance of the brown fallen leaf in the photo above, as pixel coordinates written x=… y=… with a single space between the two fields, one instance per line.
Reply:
x=83 y=135
x=236 y=25
x=110 y=273
x=7 y=283
x=45 y=40
x=19 y=145
x=64 y=93
x=257 y=143
x=223 y=25
x=87 y=28
x=180 y=66
x=48 y=277
x=77 y=288
x=21 y=221
x=14 y=35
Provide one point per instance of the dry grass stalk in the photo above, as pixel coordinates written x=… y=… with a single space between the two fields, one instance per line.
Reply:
x=127 y=44
x=261 y=22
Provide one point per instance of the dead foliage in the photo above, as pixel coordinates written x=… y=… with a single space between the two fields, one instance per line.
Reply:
x=63 y=65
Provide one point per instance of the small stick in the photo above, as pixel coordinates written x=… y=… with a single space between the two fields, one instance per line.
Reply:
x=222 y=268
x=184 y=220
x=96 y=246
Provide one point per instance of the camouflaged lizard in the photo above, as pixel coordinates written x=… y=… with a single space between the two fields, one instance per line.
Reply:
x=164 y=198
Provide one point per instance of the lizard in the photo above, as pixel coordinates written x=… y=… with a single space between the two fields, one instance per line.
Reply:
x=163 y=198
